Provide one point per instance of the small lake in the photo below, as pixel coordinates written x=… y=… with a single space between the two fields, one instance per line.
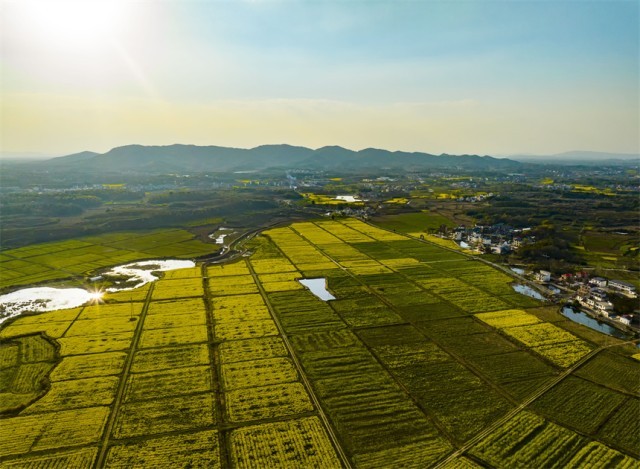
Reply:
x=42 y=299
x=318 y=286
x=586 y=320
x=136 y=274
x=517 y=270
x=528 y=291
x=347 y=198
x=221 y=233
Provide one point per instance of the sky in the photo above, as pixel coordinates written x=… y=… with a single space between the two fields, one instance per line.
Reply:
x=478 y=77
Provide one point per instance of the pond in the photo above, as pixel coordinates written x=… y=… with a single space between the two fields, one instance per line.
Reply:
x=41 y=299
x=517 y=270
x=318 y=286
x=583 y=318
x=140 y=273
x=221 y=233
x=347 y=198
x=528 y=291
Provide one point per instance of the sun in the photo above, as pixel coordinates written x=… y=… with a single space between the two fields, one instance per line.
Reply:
x=73 y=23
x=95 y=296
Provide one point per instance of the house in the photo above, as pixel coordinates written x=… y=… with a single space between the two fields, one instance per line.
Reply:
x=603 y=306
x=598 y=282
x=543 y=276
x=584 y=290
x=599 y=294
x=624 y=287
x=500 y=249
x=566 y=277
x=626 y=319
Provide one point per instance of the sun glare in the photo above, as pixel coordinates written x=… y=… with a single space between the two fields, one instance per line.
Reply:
x=96 y=296
x=81 y=24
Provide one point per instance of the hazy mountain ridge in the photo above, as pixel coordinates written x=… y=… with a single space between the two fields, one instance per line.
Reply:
x=192 y=158
x=580 y=157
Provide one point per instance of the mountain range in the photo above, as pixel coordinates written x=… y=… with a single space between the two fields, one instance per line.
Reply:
x=192 y=158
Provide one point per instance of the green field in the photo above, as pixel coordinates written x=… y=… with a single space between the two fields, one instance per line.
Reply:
x=65 y=259
x=419 y=222
x=423 y=351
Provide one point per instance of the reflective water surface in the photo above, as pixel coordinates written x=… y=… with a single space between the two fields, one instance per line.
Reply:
x=528 y=291
x=318 y=287
x=586 y=320
x=41 y=299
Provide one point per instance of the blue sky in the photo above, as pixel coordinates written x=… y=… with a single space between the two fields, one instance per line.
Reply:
x=458 y=77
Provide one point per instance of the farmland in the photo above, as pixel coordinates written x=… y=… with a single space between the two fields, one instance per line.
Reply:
x=425 y=356
x=63 y=259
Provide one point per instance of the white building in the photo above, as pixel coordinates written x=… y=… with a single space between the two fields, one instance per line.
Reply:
x=598 y=282
x=543 y=276
x=624 y=287
x=626 y=320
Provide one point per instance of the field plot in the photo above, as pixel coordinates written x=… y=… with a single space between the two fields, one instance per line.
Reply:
x=76 y=459
x=292 y=443
x=36 y=432
x=263 y=402
x=178 y=288
x=369 y=410
x=52 y=329
x=566 y=402
x=89 y=366
x=529 y=441
x=550 y=341
x=623 y=427
x=173 y=336
x=460 y=400
x=170 y=358
x=614 y=371
x=245 y=350
x=168 y=383
x=248 y=374
x=302 y=312
x=200 y=449
x=72 y=394
x=25 y=363
x=63 y=259
x=595 y=454
x=94 y=344
x=164 y=415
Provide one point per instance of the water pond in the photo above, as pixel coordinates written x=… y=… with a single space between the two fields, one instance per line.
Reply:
x=528 y=291
x=517 y=270
x=41 y=299
x=586 y=320
x=318 y=286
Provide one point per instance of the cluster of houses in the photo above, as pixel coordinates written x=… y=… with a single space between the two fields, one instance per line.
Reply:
x=593 y=293
x=494 y=239
x=476 y=198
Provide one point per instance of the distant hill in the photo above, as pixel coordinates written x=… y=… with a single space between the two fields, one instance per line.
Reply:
x=580 y=157
x=192 y=158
